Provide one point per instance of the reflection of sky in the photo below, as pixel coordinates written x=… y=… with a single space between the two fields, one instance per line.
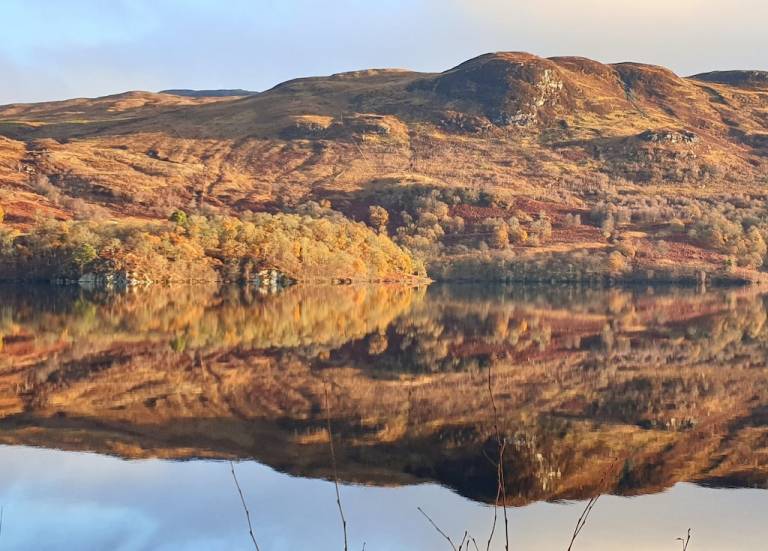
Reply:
x=65 y=500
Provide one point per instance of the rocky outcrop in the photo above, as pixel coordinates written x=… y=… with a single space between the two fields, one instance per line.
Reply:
x=118 y=280
x=511 y=89
x=669 y=136
x=271 y=279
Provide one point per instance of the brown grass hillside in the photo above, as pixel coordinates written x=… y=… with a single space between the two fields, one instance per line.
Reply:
x=565 y=131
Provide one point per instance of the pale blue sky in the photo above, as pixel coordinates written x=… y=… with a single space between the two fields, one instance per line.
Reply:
x=53 y=49
x=63 y=500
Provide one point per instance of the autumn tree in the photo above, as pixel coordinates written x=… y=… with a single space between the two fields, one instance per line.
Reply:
x=542 y=228
x=755 y=249
x=379 y=218
x=500 y=235
x=755 y=242
x=517 y=234
x=607 y=226
x=7 y=238
x=83 y=255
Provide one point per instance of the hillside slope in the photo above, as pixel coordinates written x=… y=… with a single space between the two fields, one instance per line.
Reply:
x=570 y=133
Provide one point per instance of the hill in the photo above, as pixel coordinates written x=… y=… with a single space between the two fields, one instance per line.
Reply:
x=542 y=161
x=208 y=93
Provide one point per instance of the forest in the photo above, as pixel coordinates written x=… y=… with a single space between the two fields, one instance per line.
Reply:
x=596 y=235
x=407 y=231
x=311 y=244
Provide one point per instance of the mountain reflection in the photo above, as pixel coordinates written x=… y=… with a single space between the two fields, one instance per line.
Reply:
x=623 y=391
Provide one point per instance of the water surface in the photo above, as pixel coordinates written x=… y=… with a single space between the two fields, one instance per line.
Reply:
x=121 y=412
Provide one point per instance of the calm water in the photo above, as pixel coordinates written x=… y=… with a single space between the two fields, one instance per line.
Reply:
x=120 y=414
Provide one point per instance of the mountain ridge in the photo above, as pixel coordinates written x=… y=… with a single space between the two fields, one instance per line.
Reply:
x=219 y=92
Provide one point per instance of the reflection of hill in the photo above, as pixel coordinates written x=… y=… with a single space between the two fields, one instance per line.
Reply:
x=667 y=387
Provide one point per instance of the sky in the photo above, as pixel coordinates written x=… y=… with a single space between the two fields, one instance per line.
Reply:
x=55 y=49
x=65 y=500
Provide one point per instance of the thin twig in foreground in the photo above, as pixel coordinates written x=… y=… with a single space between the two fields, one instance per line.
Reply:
x=582 y=521
x=501 y=488
x=686 y=540
x=335 y=473
x=245 y=507
x=432 y=522
x=495 y=511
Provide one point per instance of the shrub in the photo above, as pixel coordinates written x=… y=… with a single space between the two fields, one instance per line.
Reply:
x=627 y=248
x=542 y=229
x=572 y=220
x=41 y=184
x=676 y=225
x=617 y=262
x=179 y=217
x=607 y=226
x=378 y=217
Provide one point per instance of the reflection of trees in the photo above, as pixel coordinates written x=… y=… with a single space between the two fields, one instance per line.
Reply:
x=457 y=331
x=456 y=337
x=670 y=384
x=194 y=317
x=731 y=340
x=646 y=379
